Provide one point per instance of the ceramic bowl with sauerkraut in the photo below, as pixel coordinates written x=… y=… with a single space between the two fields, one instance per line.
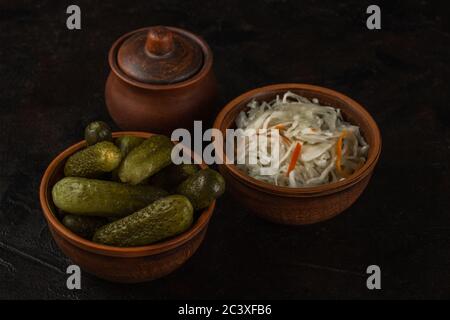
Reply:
x=315 y=144
x=328 y=146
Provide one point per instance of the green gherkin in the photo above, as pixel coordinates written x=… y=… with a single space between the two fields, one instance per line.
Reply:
x=93 y=161
x=170 y=177
x=202 y=188
x=91 y=197
x=146 y=159
x=83 y=226
x=127 y=143
x=162 y=219
x=97 y=131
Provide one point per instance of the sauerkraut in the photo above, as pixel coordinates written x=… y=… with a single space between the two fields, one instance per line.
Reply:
x=315 y=144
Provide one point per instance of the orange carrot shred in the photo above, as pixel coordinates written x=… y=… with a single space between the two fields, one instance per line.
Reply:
x=339 y=154
x=294 y=158
x=280 y=126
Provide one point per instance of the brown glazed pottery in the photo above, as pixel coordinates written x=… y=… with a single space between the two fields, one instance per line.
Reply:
x=298 y=206
x=161 y=79
x=129 y=265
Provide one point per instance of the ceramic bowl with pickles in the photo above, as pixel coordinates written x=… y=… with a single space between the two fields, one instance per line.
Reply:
x=121 y=210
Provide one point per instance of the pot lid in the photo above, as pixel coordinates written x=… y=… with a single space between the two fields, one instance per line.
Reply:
x=159 y=55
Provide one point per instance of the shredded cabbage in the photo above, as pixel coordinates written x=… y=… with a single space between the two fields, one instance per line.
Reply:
x=320 y=130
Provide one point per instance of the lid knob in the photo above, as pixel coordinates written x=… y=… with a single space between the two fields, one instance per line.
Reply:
x=159 y=41
x=160 y=55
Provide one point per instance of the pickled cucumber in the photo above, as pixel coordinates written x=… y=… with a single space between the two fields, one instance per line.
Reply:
x=93 y=161
x=127 y=143
x=83 y=226
x=146 y=159
x=202 y=188
x=96 y=132
x=170 y=177
x=92 y=197
x=162 y=219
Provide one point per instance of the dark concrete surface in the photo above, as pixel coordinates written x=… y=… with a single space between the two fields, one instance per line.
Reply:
x=52 y=82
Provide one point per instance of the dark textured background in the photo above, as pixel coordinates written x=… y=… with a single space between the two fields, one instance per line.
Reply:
x=52 y=82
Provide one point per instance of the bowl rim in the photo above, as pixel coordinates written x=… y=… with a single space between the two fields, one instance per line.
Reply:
x=329 y=188
x=204 y=70
x=123 y=252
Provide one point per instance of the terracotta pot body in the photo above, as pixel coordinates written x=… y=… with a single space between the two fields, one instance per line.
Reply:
x=160 y=107
x=125 y=269
x=159 y=111
x=293 y=210
x=127 y=265
x=298 y=206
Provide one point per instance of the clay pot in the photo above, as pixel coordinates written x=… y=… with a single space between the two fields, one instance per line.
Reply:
x=161 y=79
x=298 y=206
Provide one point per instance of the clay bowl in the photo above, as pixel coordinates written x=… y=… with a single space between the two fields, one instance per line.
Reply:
x=129 y=265
x=298 y=206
